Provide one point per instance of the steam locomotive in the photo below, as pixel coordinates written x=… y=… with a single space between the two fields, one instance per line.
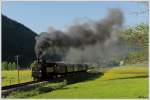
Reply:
x=44 y=70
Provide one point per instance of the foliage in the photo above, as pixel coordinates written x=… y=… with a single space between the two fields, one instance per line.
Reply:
x=137 y=39
x=137 y=35
x=136 y=57
x=14 y=66
x=4 y=65
x=9 y=65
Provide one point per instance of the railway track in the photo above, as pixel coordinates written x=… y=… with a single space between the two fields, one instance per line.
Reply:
x=17 y=85
x=31 y=84
x=23 y=86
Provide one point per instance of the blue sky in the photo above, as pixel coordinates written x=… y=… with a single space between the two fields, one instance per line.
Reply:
x=38 y=16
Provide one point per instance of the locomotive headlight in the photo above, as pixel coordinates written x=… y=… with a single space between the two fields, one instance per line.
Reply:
x=40 y=71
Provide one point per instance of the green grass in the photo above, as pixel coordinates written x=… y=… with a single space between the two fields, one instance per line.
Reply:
x=24 y=76
x=118 y=82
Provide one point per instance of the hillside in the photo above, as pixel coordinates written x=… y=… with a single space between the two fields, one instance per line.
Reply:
x=17 y=39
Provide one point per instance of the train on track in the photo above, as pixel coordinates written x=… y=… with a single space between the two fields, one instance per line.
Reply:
x=44 y=70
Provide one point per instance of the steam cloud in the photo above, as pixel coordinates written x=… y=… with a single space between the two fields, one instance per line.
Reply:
x=91 y=41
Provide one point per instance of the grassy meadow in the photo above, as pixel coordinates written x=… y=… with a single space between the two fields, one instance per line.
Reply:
x=119 y=82
x=10 y=77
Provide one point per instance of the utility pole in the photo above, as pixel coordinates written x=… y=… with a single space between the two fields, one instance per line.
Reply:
x=17 y=60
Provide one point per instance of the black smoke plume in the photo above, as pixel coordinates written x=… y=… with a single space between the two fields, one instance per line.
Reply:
x=83 y=39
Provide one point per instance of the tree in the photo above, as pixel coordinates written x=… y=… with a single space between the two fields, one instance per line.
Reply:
x=4 y=65
x=14 y=66
x=9 y=66
x=136 y=37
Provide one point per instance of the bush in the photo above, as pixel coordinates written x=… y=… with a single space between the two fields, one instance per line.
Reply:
x=5 y=65
x=137 y=39
x=136 y=57
x=14 y=66
x=9 y=65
